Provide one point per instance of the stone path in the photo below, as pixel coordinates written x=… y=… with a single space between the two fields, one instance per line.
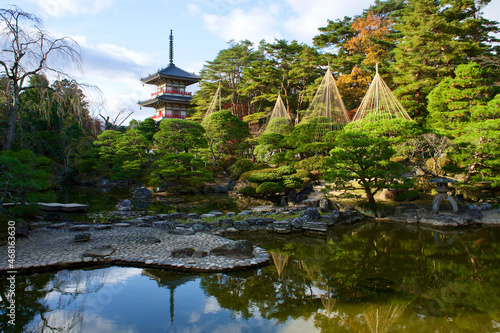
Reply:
x=131 y=245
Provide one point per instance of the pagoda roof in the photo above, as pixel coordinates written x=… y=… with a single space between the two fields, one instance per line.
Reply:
x=171 y=72
x=158 y=100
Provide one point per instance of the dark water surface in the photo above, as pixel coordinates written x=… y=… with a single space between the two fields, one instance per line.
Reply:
x=372 y=277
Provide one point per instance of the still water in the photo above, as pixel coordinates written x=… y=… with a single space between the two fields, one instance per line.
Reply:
x=372 y=277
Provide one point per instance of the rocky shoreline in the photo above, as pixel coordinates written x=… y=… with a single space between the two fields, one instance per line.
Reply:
x=192 y=242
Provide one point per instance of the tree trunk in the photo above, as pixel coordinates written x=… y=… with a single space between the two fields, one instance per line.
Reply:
x=11 y=127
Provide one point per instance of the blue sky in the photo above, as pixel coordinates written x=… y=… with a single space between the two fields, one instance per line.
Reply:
x=124 y=40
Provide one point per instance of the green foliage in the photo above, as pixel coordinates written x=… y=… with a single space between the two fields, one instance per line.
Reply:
x=24 y=178
x=262 y=177
x=292 y=182
x=365 y=158
x=279 y=125
x=249 y=190
x=452 y=102
x=147 y=128
x=470 y=192
x=285 y=170
x=269 y=188
x=313 y=163
x=241 y=166
x=177 y=135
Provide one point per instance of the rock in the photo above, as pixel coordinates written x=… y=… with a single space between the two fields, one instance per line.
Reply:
x=282 y=227
x=320 y=227
x=259 y=221
x=193 y=216
x=245 y=212
x=199 y=254
x=104 y=183
x=38 y=225
x=242 y=249
x=124 y=206
x=230 y=214
x=350 y=216
x=200 y=227
x=142 y=194
x=122 y=225
x=82 y=237
x=166 y=225
x=142 y=204
x=103 y=226
x=183 y=253
x=310 y=215
x=172 y=216
x=327 y=219
x=475 y=213
x=80 y=227
x=182 y=231
x=216 y=213
x=325 y=205
x=241 y=225
x=207 y=216
x=99 y=251
x=226 y=223
x=22 y=229
x=296 y=224
x=232 y=230
x=57 y=226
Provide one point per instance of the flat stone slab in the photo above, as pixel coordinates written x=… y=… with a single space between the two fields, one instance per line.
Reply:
x=99 y=251
x=55 y=207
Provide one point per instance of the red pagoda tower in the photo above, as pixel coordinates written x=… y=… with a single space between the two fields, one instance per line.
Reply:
x=171 y=100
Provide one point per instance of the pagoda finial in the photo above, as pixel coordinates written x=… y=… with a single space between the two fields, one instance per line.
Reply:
x=171 y=47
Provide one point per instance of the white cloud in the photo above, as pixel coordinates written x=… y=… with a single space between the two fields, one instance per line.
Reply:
x=253 y=24
x=310 y=15
x=193 y=9
x=211 y=305
x=59 y=8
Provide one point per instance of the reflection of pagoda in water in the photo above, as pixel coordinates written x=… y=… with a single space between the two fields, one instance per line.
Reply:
x=170 y=280
x=171 y=100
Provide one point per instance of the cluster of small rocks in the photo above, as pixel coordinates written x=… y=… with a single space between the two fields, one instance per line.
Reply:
x=467 y=216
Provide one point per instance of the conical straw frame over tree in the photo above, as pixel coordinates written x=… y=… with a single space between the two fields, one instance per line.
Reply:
x=327 y=109
x=379 y=103
x=280 y=121
x=211 y=108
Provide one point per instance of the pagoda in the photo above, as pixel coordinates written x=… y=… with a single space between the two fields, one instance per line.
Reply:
x=171 y=100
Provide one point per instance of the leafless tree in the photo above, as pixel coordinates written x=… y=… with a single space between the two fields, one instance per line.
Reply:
x=26 y=50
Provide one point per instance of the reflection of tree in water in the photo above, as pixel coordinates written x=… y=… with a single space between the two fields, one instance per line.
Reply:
x=382 y=319
x=171 y=280
x=50 y=301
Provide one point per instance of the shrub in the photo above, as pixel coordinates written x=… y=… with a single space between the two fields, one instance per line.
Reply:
x=250 y=191
x=247 y=174
x=86 y=166
x=314 y=163
x=262 y=177
x=470 y=192
x=239 y=167
x=285 y=170
x=301 y=174
x=227 y=161
x=269 y=188
x=292 y=182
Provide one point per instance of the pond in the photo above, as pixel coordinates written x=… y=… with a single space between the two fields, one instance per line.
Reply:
x=372 y=277
x=105 y=199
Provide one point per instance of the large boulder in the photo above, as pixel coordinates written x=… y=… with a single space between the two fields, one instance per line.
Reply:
x=242 y=249
x=142 y=194
x=124 y=206
x=310 y=215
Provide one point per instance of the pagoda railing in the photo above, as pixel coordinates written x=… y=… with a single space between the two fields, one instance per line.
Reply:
x=168 y=116
x=164 y=91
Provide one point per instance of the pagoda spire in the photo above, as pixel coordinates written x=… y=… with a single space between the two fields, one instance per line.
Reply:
x=171 y=47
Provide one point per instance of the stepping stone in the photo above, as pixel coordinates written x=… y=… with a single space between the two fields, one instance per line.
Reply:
x=98 y=251
x=57 y=226
x=122 y=225
x=103 y=226
x=82 y=237
x=148 y=240
x=81 y=227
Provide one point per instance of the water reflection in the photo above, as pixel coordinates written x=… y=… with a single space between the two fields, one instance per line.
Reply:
x=369 y=278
